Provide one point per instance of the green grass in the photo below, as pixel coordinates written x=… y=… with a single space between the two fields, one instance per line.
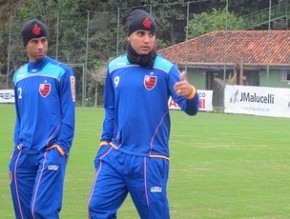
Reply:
x=222 y=166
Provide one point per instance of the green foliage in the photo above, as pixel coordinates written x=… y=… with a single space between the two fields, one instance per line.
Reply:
x=171 y=19
x=71 y=42
x=215 y=20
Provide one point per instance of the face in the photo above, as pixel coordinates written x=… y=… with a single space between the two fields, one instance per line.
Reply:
x=142 y=41
x=37 y=48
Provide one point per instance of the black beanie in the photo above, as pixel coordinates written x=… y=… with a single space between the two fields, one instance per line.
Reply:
x=141 y=20
x=33 y=29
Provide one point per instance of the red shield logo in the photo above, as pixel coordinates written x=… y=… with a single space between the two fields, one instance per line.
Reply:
x=44 y=89
x=150 y=82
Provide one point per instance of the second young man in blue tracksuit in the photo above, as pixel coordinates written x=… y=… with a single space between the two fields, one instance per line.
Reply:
x=44 y=128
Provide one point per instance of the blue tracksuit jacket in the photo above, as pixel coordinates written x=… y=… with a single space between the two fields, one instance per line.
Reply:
x=137 y=119
x=44 y=96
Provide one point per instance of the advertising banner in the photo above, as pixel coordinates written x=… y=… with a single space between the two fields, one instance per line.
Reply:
x=205 y=104
x=7 y=96
x=264 y=101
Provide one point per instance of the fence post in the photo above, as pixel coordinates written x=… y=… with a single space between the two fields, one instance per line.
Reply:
x=57 y=35
x=8 y=54
x=118 y=32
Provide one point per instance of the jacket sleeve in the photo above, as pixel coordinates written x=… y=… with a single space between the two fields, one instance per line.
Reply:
x=109 y=100
x=17 y=120
x=67 y=101
x=189 y=106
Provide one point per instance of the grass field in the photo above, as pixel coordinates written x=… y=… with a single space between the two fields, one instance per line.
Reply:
x=223 y=166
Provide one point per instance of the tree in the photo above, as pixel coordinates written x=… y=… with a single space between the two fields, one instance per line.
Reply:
x=217 y=19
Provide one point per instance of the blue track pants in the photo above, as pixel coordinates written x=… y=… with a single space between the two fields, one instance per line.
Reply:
x=118 y=174
x=37 y=183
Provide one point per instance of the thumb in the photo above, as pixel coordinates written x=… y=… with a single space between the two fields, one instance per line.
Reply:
x=183 y=76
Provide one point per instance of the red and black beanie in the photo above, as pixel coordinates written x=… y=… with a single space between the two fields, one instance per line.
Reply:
x=141 y=20
x=33 y=29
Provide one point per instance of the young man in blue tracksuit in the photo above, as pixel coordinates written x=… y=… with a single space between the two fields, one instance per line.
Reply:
x=44 y=128
x=134 y=156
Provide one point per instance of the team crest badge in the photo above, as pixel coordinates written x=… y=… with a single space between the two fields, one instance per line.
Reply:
x=44 y=89
x=36 y=30
x=147 y=23
x=150 y=82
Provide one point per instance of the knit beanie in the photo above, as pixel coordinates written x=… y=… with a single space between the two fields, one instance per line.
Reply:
x=33 y=29
x=141 y=20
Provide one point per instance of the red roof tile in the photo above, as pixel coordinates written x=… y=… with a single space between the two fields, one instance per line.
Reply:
x=255 y=47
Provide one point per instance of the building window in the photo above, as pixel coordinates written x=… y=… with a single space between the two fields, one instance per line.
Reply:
x=285 y=75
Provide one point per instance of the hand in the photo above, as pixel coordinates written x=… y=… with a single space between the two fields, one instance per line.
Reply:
x=58 y=148
x=183 y=88
x=55 y=159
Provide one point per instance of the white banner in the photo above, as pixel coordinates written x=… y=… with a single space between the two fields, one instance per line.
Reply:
x=7 y=96
x=205 y=103
x=264 y=101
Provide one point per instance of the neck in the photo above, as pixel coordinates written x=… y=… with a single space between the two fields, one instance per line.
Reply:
x=146 y=61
